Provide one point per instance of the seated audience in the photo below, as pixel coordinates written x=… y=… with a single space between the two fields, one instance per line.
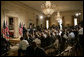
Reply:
x=22 y=46
x=34 y=50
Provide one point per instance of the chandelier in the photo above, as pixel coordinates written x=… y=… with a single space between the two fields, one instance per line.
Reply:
x=58 y=17
x=48 y=8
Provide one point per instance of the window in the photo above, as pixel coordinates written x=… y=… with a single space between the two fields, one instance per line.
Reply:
x=75 y=21
x=47 y=24
x=60 y=23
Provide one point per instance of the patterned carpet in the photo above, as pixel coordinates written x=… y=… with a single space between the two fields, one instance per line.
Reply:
x=13 y=51
x=14 y=48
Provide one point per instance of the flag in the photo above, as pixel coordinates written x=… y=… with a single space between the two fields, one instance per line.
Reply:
x=20 y=29
x=7 y=31
x=4 y=28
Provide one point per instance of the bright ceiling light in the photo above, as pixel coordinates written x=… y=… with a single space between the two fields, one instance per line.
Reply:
x=41 y=17
x=77 y=14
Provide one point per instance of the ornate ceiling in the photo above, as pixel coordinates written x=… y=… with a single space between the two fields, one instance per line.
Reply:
x=60 y=5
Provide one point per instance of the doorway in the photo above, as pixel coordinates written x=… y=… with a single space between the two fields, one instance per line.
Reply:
x=13 y=27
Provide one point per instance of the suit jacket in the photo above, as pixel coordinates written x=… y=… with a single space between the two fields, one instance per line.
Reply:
x=31 y=51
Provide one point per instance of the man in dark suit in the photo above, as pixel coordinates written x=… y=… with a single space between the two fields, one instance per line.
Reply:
x=24 y=32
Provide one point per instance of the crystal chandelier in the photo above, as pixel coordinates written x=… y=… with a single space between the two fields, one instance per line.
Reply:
x=48 y=8
x=58 y=17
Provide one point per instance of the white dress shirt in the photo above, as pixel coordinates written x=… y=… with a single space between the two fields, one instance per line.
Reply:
x=81 y=31
x=37 y=41
x=71 y=35
x=65 y=36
